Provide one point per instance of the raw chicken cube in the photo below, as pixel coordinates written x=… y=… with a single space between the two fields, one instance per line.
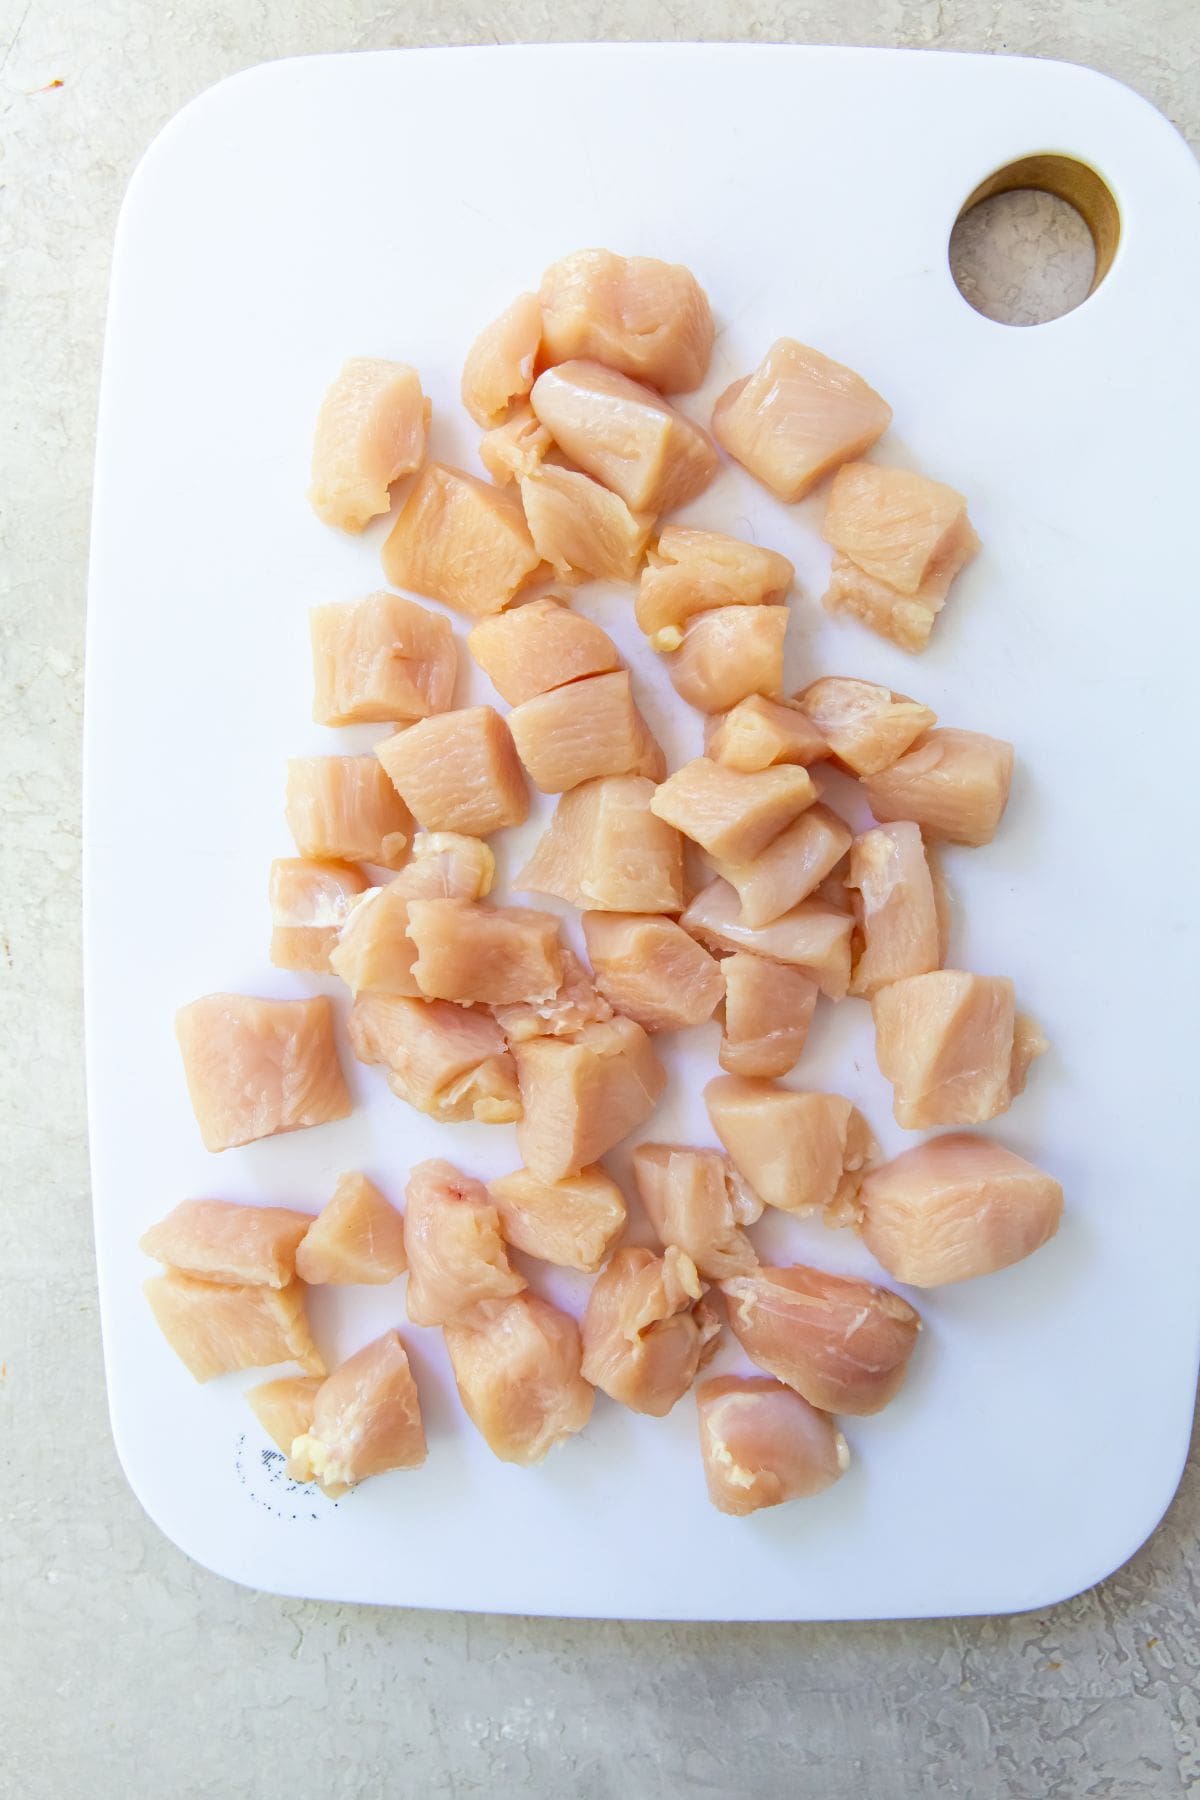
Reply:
x=650 y=320
x=447 y=865
x=801 y=1152
x=582 y=528
x=461 y=541
x=900 y=541
x=310 y=902
x=583 y=1095
x=813 y=936
x=578 y=733
x=843 y=1344
x=624 y=435
x=518 y=1378
x=355 y=1240
x=500 y=363
x=371 y=432
x=573 y=1223
x=952 y=783
x=792 y=866
x=458 y=1268
x=541 y=645
x=727 y=655
x=221 y=1240
x=382 y=658
x=448 y=1061
x=576 y=1004
x=458 y=772
x=493 y=955
x=374 y=953
x=644 y=1337
x=949 y=1044
x=651 y=970
x=797 y=417
x=731 y=815
x=516 y=448
x=284 y=1408
x=768 y=1010
x=215 y=1329
x=691 y=571
x=257 y=1067
x=898 y=930
x=758 y=733
x=344 y=809
x=763 y=1444
x=696 y=1200
x=366 y=1420
x=867 y=727
x=905 y=621
x=606 y=850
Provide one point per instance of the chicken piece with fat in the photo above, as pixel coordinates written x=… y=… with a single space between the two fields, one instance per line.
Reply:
x=722 y=657
x=797 y=417
x=647 y=319
x=580 y=527
x=573 y=1222
x=284 y=1408
x=576 y=1003
x=801 y=1152
x=651 y=970
x=605 y=850
x=310 y=899
x=731 y=815
x=584 y=1094
x=449 y=1061
x=516 y=448
x=458 y=772
x=813 y=936
x=222 y=1240
x=215 y=1328
x=791 y=867
x=758 y=733
x=763 y=1444
x=768 y=1011
x=257 y=1067
x=898 y=930
x=644 y=1335
x=953 y=1047
x=540 y=645
x=624 y=435
x=380 y=659
x=518 y=1377
x=371 y=432
x=366 y=1421
x=357 y=1239
x=344 y=809
x=500 y=363
x=954 y=784
x=696 y=1200
x=460 y=540
x=691 y=571
x=579 y=733
x=458 y=1267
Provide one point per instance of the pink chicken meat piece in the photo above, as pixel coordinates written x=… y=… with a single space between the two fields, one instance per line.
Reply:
x=842 y=1344
x=374 y=953
x=757 y=733
x=366 y=1421
x=691 y=571
x=584 y=1094
x=371 y=432
x=258 y=1067
x=624 y=435
x=581 y=732
x=723 y=657
x=813 y=936
x=311 y=899
x=606 y=851
x=954 y=784
x=221 y=1240
x=541 y=645
x=651 y=970
x=382 y=658
x=797 y=417
x=647 y=319
x=284 y=1408
x=461 y=541
x=768 y=1011
x=791 y=867
x=576 y=1003
x=490 y=955
x=357 y=1239
x=344 y=809
x=696 y=1200
x=898 y=928
x=801 y=1152
x=582 y=528
x=516 y=448
x=573 y=1222
x=518 y=1378
x=500 y=363
x=644 y=1336
x=449 y=1061
x=732 y=816
x=953 y=1047
x=867 y=727
x=763 y=1444
x=215 y=1329
x=458 y=1267
x=458 y=772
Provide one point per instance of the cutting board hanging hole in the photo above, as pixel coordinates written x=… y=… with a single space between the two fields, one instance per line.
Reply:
x=1034 y=240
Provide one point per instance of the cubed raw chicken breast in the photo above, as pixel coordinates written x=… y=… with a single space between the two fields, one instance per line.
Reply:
x=842 y=1344
x=458 y=772
x=221 y=1240
x=731 y=815
x=447 y=865
x=763 y=1444
x=518 y=1378
x=500 y=363
x=516 y=448
x=792 y=866
x=583 y=1095
x=578 y=733
x=898 y=929
x=284 y=1408
x=797 y=417
x=696 y=1200
x=644 y=1337
x=768 y=1010
x=531 y=649
x=757 y=733
x=956 y=1207
x=904 y=621
x=576 y=1003
x=648 y=319
x=813 y=936
x=605 y=850
x=582 y=528
x=366 y=1420
x=371 y=432
x=954 y=784
x=624 y=435
x=801 y=1152
x=258 y=1067
x=374 y=953
x=214 y=1329
x=458 y=1267
x=357 y=1239
x=900 y=539
x=691 y=571
x=651 y=970
x=382 y=658
x=952 y=1046
x=460 y=540
x=344 y=809
x=573 y=1222
x=449 y=1061
x=727 y=655
x=311 y=900
x=867 y=727
x=491 y=955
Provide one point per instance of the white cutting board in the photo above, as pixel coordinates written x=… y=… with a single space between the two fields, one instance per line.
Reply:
x=390 y=204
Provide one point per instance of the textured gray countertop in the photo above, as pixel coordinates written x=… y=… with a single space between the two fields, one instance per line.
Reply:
x=126 y=1670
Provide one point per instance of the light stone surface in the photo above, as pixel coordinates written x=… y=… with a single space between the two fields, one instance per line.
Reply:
x=125 y=1671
